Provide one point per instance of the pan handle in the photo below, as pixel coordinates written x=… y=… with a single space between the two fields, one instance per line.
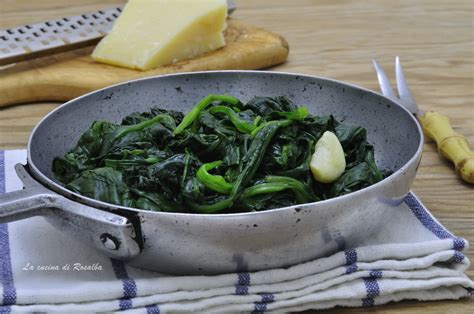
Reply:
x=22 y=204
x=113 y=234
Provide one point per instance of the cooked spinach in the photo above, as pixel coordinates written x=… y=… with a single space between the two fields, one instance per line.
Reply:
x=223 y=156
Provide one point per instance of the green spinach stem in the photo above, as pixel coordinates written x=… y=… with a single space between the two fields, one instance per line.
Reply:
x=214 y=182
x=200 y=106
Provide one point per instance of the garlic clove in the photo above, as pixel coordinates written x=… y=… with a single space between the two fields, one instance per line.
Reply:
x=328 y=161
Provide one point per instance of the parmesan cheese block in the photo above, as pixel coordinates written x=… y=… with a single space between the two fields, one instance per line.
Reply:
x=151 y=33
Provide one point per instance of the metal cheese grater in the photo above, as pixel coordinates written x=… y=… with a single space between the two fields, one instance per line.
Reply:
x=35 y=40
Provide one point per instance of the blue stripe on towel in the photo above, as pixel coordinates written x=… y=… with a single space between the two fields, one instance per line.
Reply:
x=152 y=309
x=425 y=218
x=368 y=302
x=375 y=273
x=351 y=257
x=351 y=260
x=243 y=279
x=267 y=297
x=2 y=171
x=241 y=290
x=458 y=257
x=243 y=283
x=373 y=290
x=129 y=285
x=431 y=224
x=351 y=269
x=261 y=307
x=125 y=304
x=458 y=244
x=6 y=275
x=372 y=287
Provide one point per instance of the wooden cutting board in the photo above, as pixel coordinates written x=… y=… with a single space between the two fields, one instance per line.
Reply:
x=68 y=75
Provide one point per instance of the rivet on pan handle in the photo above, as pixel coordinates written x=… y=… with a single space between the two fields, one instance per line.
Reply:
x=110 y=233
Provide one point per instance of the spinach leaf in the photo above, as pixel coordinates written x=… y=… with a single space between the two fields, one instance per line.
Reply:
x=224 y=156
x=104 y=184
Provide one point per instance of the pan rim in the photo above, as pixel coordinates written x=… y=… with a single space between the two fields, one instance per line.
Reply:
x=76 y=197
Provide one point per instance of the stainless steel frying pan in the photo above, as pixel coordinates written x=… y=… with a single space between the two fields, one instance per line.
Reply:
x=208 y=244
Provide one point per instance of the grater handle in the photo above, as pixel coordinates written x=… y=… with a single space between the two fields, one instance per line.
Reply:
x=41 y=39
x=33 y=54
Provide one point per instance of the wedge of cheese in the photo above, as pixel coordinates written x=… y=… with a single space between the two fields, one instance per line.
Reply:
x=151 y=33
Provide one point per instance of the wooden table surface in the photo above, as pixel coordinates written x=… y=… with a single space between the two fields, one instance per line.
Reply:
x=336 y=39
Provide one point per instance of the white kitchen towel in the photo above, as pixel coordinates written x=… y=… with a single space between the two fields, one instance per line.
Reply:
x=44 y=270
